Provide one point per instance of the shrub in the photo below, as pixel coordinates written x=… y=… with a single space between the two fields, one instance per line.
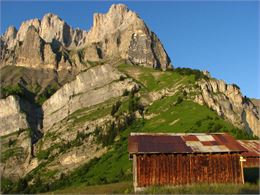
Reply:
x=121 y=78
x=188 y=71
x=198 y=123
x=12 y=90
x=48 y=92
x=21 y=185
x=179 y=100
x=133 y=103
x=10 y=142
x=126 y=92
x=115 y=108
x=109 y=137
x=217 y=127
x=43 y=154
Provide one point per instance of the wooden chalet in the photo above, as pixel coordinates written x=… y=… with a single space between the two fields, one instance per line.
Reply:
x=180 y=159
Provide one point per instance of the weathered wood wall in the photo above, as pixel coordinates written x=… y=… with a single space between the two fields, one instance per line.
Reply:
x=180 y=169
x=252 y=162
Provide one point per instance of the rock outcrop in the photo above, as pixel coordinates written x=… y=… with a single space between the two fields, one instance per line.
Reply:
x=18 y=114
x=118 y=34
x=122 y=32
x=11 y=116
x=92 y=87
x=16 y=155
x=228 y=102
x=30 y=53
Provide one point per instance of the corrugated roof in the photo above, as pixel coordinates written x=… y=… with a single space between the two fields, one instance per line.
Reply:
x=253 y=147
x=182 y=143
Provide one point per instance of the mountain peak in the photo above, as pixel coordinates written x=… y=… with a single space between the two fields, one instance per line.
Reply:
x=126 y=35
x=119 y=33
x=118 y=8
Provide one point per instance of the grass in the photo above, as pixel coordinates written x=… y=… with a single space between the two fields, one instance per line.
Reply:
x=187 y=116
x=122 y=187
x=15 y=151
x=115 y=166
x=152 y=79
x=112 y=172
x=246 y=188
x=127 y=187
x=94 y=112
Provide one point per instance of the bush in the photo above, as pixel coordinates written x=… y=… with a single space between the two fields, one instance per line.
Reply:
x=179 y=100
x=217 y=127
x=133 y=103
x=12 y=90
x=48 y=92
x=126 y=92
x=121 y=78
x=21 y=186
x=115 y=108
x=6 y=185
x=44 y=154
x=11 y=142
x=109 y=137
x=188 y=71
x=198 y=123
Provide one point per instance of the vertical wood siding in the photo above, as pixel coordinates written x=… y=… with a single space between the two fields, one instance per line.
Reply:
x=252 y=162
x=180 y=169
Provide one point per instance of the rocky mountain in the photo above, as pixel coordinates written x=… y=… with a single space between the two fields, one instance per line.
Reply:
x=229 y=103
x=118 y=34
x=69 y=99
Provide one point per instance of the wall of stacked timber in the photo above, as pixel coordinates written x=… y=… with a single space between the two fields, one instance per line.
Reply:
x=180 y=169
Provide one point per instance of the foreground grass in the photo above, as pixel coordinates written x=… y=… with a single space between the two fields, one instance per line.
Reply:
x=246 y=188
x=122 y=187
x=127 y=187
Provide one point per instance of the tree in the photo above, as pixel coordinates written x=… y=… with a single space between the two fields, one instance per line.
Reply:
x=21 y=185
x=115 y=108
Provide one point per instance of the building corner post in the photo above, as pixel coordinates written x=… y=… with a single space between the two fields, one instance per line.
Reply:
x=135 y=172
x=241 y=160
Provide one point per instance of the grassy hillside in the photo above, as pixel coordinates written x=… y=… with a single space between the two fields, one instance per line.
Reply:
x=115 y=166
x=175 y=113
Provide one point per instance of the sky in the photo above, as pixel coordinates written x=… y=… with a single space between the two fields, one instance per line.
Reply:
x=221 y=36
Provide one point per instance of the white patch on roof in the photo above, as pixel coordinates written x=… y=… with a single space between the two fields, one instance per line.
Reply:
x=205 y=138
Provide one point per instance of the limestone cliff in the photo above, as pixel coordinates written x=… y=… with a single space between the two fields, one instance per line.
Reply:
x=18 y=130
x=229 y=103
x=122 y=32
x=118 y=34
x=19 y=114
x=11 y=117
x=91 y=87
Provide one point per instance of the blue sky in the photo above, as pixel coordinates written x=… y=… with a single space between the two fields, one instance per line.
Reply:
x=221 y=37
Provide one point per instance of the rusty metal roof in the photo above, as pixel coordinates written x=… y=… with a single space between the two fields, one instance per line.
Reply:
x=182 y=143
x=253 y=147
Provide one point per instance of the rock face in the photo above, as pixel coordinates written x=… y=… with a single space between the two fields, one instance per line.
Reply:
x=18 y=114
x=11 y=117
x=228 y=102
x=118 y=34
x=16 y=139
x=31 y=51
x=16 y=155
x=122 y=32
x=92 y=87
